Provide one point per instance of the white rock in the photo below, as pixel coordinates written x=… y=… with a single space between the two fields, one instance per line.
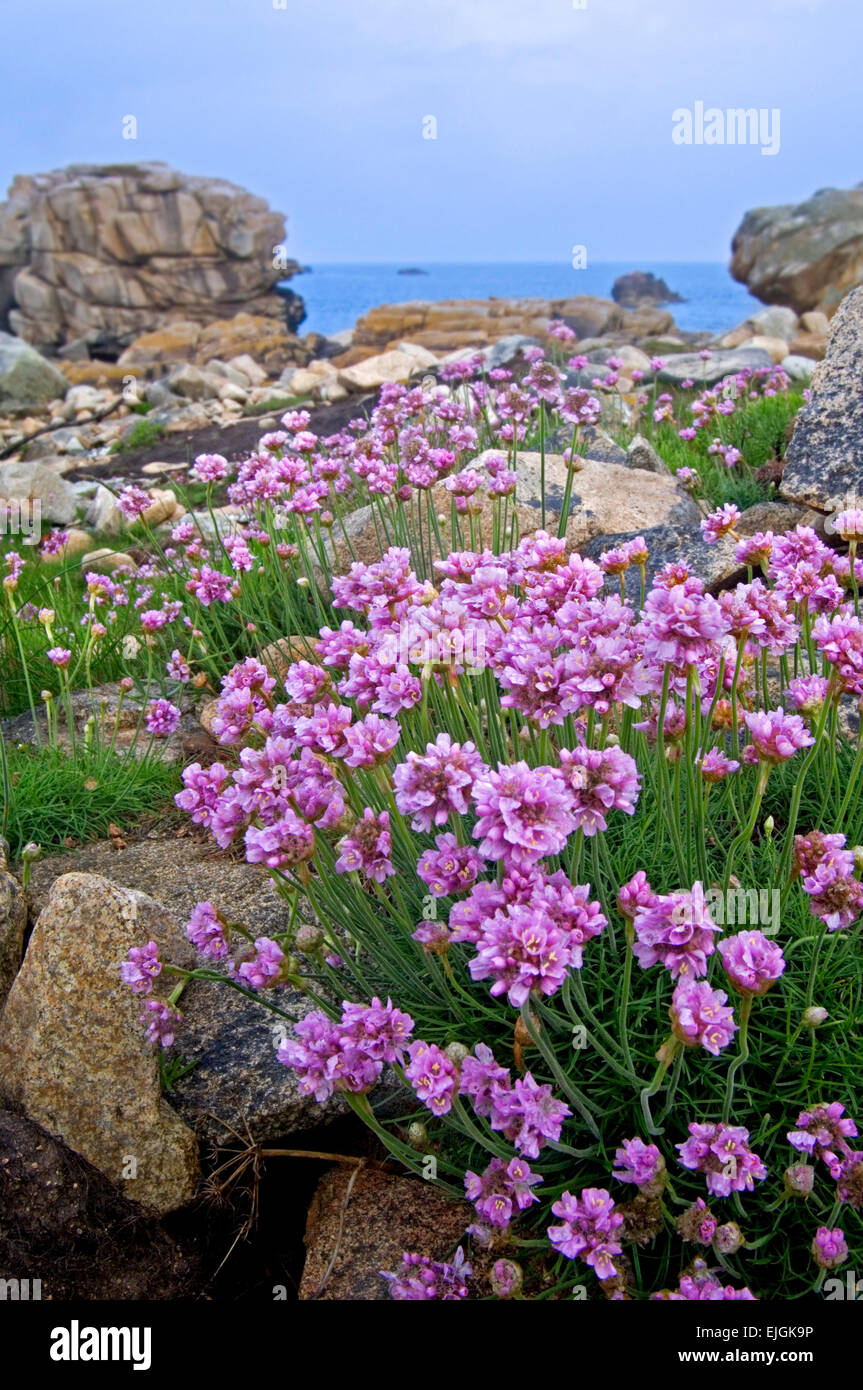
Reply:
x=774 y=321
x=385 y=367
x=798 y=368
x=103 y=514
x=249 y=368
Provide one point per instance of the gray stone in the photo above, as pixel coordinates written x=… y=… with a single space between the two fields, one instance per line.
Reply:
x=34 y=480
x=505 y=350
x=775 y=321
x=776 y=516
x=190 y=382
x=602 y=500
x=595 y=444
x=689 y=366
x=27 y=380
x=714 y=565
x=641 y=454
x=824 y=460
x=104 y=704
x=160 y=395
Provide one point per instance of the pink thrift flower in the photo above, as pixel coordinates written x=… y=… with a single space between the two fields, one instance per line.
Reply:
x=752 y=962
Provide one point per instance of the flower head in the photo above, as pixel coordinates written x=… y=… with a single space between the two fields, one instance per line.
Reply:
x=752 y=962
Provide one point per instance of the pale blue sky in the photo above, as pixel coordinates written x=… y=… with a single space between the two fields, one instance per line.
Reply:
x=553 y=122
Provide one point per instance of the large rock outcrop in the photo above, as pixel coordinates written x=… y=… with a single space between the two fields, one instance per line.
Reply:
x=103 y=253
x=808 y=256
x=456 y=323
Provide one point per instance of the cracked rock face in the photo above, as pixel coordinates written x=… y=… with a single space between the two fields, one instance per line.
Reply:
x=824 y=461
x=103 y=253
x=73 y=1056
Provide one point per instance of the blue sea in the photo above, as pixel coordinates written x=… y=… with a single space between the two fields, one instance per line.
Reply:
x=336 y=295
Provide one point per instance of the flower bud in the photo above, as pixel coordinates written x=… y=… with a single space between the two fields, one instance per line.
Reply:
x=729 y=1238
x=418 y=1136
x=456 y=1052
x=769 y=825
x=506 y=1278
x=308 y=939
x=799 y=1179
x=857 y=851
x=303 y=582
x=814 y=1016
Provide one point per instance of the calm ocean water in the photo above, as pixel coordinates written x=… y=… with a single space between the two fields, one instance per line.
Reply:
x=336 y=295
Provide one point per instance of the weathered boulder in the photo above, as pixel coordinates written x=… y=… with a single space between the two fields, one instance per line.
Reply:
x=359 y=1223
x=808 y=256
x=27 y=379
x=33 y=481
x=824 y=460
x=73 y=1055
x=105 y=252
x=236 y=1082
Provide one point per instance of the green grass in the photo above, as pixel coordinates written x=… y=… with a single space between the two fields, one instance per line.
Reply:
x=48 y=795
x=274 y=403
x=142 y=435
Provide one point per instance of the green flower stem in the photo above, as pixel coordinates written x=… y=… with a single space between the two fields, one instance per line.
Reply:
x=666 y=1056
x=567 y=491
x=796 y=797
x=664 y=781
x=742 y=1056
x=623 y=1007
x=571 y=1092
x=852 y=781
